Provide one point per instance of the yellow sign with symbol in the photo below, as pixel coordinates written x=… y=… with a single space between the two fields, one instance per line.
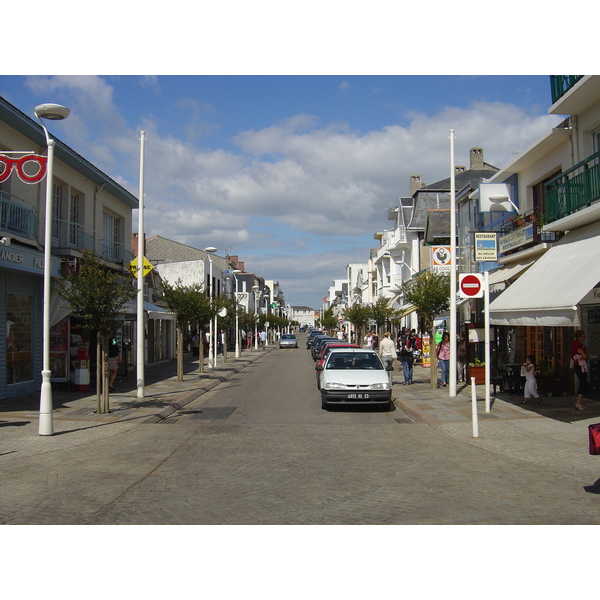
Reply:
x=146 y=266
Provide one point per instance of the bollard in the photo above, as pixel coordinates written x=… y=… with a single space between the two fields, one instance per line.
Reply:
x=474 y=408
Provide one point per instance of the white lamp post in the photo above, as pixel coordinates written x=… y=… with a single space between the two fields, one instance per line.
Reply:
x=256 y=291
x=212 y=362
x=237 y=326
x=52 y=112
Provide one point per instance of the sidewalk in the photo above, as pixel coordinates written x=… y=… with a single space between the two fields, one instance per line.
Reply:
x=163 y=394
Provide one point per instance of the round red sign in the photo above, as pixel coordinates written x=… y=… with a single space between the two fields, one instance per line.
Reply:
x=470 y=285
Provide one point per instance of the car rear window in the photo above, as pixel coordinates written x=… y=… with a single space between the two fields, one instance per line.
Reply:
x=354 y=360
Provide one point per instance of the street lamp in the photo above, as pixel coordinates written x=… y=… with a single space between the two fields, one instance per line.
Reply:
x=52 y=112
x=237 y=326
x=256 y=290
x=211 y=346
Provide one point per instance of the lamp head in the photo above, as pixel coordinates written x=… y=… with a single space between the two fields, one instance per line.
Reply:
x=210 y=249
x=52 y=112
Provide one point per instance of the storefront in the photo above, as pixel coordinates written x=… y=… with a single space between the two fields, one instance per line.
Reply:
x=21 y=293
x=559 y=293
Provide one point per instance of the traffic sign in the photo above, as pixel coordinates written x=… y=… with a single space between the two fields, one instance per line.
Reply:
x=146 y=266
x=471 y=285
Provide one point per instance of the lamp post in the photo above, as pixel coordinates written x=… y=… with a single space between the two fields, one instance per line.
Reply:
x=211 y=356
x=237 y=326
x=256 y=291
x=52 y=112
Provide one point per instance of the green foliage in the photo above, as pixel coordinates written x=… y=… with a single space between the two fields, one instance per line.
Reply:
x=429 y=293
x=328 y=321
x=358 y=315
x=382 y=313
x=185 y=301
x=95 y=294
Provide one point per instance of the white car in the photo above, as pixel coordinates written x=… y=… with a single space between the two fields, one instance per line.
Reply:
x=354 y=376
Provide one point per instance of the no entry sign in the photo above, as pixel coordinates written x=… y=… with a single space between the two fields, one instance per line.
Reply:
x=471 y=285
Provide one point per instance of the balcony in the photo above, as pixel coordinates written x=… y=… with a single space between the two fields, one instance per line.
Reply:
x=17 y=217
x=71 y=236
x=114 y=252
x=561 y=84
x=574 y=189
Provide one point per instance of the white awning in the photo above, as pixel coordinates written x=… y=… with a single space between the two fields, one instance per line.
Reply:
x=549 y=292
x=498 y=278
x=153 y=311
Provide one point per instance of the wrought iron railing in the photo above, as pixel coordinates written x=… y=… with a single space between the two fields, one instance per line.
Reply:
x=17 y=216
x=71 y=235
x=573 y=189
x=114 y=252
x=561 y=84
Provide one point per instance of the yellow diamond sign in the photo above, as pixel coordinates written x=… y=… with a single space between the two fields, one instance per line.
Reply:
x=146 y=266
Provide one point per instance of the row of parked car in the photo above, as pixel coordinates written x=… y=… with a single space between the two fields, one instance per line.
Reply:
x=348 y=374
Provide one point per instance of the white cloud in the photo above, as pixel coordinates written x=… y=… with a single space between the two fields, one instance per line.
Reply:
x=324 y=180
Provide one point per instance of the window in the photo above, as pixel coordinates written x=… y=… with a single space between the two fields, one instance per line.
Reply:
x=74 y=223
x=111 y=236
x=56 y=212
x=539 y=194
x=18 y=338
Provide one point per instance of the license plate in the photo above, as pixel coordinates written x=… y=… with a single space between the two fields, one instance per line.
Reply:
x=358 y=396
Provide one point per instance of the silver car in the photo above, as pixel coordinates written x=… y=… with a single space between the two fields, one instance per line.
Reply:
x=288 y=340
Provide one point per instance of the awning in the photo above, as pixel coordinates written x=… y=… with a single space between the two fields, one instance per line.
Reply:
x=548 y=293
x=406 y=310
x=153 y=311
x=499 y=278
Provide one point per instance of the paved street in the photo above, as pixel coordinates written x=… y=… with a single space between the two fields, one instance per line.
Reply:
x=254 y=447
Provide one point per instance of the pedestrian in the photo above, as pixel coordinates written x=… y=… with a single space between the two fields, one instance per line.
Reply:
x=580 y=356
x=387 y=351
x=114 y=358
x=406 y=347
x=443 y=354
x=461 y=359
x=263 y=339
x=369 y=340
x=530 y=382
x=340 y=335
x=195 y=343
x=221 y=342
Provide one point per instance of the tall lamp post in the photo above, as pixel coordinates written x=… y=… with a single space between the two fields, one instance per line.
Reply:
x=256 y=291
x=52 y=112
x=211 y=345
x=237 y=321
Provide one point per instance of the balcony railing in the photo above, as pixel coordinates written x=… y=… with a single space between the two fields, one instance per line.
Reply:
x=17 y=216
x=573 y=189
x=71 y=235
x=114 y=252
x=561 y=84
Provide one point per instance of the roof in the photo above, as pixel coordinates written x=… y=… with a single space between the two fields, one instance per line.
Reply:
x=29 y=128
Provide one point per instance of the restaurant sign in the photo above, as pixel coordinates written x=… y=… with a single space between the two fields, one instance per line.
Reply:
x=517 y=239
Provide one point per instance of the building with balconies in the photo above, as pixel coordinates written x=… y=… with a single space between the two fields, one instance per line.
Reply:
x=550 y=274
x=90 y=211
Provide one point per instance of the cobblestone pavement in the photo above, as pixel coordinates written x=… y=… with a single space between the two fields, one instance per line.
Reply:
x=178 y=456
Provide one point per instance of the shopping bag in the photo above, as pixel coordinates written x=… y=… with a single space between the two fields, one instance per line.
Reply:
x=594 y=433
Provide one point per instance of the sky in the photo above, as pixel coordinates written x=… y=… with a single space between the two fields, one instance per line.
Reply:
x=281 y=134
x=294 y=174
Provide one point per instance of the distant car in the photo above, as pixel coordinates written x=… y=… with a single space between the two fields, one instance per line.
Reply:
x=288 y=340
x=354 y=376
x=314 y=334
x=319 y=343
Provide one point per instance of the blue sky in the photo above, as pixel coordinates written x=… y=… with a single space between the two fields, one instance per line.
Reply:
x=295 y=174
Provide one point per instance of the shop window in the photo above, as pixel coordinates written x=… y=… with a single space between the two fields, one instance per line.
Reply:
x=18 y=338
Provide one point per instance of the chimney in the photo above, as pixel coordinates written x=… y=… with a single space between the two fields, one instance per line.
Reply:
x=476 y=159
x=459 y=169
x=415 y=184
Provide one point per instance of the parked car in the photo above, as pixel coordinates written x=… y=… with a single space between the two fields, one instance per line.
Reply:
x=288 y=340
x=314 y=334
x=325 y=353
x=318 y=344
x=354 y=376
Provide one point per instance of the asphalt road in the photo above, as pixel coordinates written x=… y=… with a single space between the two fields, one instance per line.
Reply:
x=258 y=449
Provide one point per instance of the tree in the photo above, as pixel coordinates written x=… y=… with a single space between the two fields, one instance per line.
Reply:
x=183 y=301
x=96 y=295
x=430 y=294
x=359 y=316
x=382 y=313
x=329 y=321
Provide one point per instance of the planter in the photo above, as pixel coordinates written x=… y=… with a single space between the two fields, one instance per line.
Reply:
x=478 y=373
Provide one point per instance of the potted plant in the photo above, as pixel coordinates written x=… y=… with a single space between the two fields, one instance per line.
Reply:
x=476 y=369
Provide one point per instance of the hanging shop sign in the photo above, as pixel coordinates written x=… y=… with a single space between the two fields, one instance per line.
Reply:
x=486 y=246
x=30 y=168
x=442 y=260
